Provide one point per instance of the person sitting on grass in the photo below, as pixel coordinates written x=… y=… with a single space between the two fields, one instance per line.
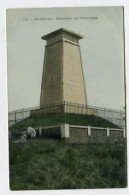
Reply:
x=22 y=140
x=31 y=132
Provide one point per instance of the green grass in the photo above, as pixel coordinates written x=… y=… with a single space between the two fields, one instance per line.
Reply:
x=60 y=118
x=53 y=164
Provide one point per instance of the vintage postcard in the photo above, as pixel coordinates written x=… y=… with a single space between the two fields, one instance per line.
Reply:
x=66 y=98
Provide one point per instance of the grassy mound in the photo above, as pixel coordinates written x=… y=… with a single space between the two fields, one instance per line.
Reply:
x=52 y=164
x=68 y=118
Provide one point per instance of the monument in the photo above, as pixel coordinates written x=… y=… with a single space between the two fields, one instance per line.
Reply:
x=62 y=78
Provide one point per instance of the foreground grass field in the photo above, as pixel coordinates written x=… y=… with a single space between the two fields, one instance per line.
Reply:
x=52 y=164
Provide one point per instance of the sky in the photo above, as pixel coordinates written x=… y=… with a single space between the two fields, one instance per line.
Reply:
x=102 y=52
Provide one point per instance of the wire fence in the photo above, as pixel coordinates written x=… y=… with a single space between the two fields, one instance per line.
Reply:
x=117 y=117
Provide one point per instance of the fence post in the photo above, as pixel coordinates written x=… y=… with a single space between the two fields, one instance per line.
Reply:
x=104 y=112
x=89 y=131
x=65 y=131
x=23 y=114
x=108 y=132
x=40 y=131
x=123 y=132
x=15 y=117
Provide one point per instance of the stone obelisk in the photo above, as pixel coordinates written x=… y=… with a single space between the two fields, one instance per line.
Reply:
x=62 y=79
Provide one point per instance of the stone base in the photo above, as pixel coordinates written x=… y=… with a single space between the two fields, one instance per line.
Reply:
x=63 y=108
x=82 y=134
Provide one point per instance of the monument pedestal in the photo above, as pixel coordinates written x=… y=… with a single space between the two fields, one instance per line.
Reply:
x=62 y=79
